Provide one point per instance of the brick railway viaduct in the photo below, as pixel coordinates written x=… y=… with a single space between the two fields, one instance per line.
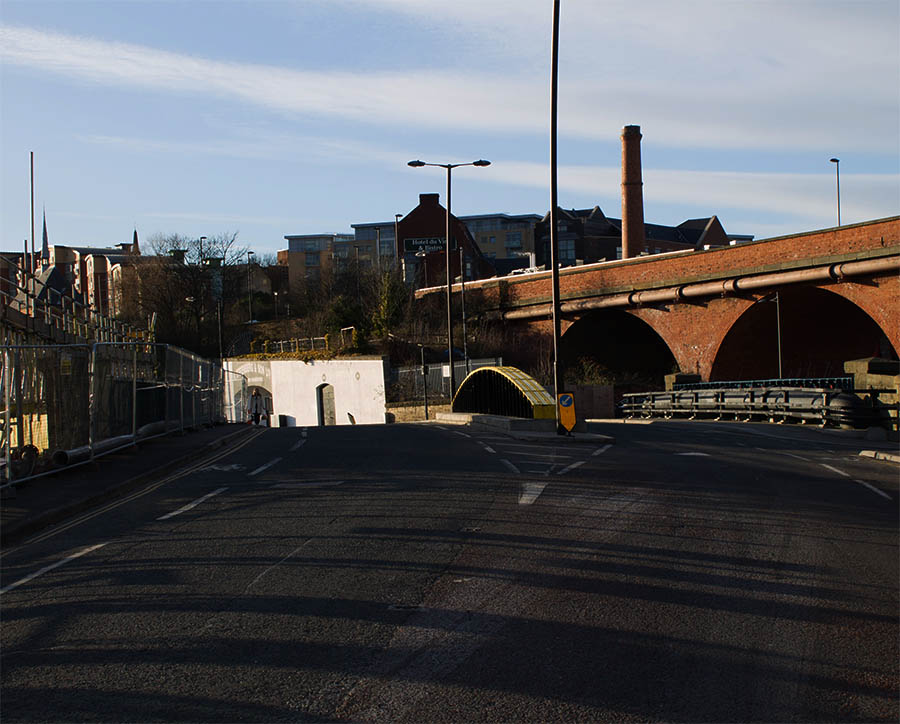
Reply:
x=708 y=312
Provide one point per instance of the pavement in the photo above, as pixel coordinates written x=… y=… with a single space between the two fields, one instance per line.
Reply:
x=45 y=501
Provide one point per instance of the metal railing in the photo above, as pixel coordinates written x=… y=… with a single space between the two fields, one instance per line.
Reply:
x=64 y=405
x=823 y=407
x=406 y=383
x=844 y=382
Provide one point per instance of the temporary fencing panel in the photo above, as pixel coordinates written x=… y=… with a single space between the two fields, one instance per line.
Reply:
x=65 y=404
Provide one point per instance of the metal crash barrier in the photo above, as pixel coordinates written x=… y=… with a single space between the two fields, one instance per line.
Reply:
x=823 y=407
x=64 y=405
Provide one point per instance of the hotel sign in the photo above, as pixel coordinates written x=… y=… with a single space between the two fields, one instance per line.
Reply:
x=426 y=244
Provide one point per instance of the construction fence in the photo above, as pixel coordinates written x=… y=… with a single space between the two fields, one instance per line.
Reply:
x=63 y=405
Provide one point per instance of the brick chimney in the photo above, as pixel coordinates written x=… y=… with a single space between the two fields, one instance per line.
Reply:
x=632 y=193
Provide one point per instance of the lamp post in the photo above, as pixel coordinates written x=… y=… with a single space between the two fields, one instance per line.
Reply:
x=424 y=257
x=397 y=235
x=462 y=296
x=276 y=304
x=249 y=288
x=202 y=239
x=449 y=167
x=837 y=172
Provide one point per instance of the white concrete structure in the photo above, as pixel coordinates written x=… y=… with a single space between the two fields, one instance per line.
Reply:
x=322 y=392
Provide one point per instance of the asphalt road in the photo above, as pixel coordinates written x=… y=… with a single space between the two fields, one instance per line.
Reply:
x=690 y=572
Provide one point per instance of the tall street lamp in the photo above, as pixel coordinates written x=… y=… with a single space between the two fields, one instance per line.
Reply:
x=249 y=288
x=837 y=171
x=449 y=167
x=397 y=218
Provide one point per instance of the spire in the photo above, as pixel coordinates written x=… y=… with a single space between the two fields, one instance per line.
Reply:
x=135 y=249
x=45 y=246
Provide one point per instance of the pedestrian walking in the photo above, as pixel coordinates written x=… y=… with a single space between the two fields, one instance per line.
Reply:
x=255 y=407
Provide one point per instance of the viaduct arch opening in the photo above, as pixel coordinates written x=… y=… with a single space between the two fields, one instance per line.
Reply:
x=820 y=330
x=616 y=346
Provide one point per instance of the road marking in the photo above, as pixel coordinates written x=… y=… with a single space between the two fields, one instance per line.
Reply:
x=247 y=439
x=187 y=507
x=43 y=570
x=297 y=445
x=264 y=467
x=835 y=470
x=873 y=489
x=571 y=467
x=303 y=432
x=695 y=454
x=600 y=450
x=531 y=492
x=508 y=464
x=457 y=432
x=487 y=447
x=797 y=457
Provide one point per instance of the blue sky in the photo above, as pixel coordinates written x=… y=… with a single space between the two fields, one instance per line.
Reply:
x=274 y=118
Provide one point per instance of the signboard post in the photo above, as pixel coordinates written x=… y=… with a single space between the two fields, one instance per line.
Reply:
x=565 y=402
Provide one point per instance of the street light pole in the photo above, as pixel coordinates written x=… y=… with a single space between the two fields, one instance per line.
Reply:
x=397 y=236
x=554 y=234
x=462 y=296
x=447 y=248
x=837 y=171
x=249 y=288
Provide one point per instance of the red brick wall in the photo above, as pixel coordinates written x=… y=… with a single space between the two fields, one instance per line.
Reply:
x=695 y=332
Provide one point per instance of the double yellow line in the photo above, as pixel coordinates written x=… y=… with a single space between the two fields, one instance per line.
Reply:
x=202 y=463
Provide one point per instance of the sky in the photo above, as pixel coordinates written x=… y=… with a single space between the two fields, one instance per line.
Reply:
x=204 y=117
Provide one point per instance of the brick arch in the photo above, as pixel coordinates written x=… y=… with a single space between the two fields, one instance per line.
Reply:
x=694 y=332
x=880 y=300
x=820 y=330
x=620 y=341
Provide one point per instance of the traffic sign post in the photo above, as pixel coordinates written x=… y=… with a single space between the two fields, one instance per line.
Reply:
x=565 y=406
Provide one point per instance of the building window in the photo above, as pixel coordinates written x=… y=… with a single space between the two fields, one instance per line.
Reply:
x=567 y=251
x=618 y=252
x=312 y=259
x=514 y=240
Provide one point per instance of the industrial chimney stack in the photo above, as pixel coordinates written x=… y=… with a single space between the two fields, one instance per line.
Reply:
x=632 y=193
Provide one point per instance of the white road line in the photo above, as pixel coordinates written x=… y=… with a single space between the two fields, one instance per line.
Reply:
x=531 y=492
x=695 y=454
x=303 y=432
x=791 y=455
x=600 y=450
x=835 y=470
x=297 y=445
x=43 y=570
x=457 y=432
x=264 y=467
x=571 y=467
x=187 y=507
x=488 y=448
x=873 y=489
x=508 y=464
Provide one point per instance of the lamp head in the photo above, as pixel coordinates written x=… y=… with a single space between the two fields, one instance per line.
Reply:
x=416 y=164
x=482 y=162
x=835 y=160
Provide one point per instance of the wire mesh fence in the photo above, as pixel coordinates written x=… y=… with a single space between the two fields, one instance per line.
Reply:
x=408 y=383
x=67 y=404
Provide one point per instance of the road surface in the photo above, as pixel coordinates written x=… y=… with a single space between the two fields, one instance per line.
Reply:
x=690 y=572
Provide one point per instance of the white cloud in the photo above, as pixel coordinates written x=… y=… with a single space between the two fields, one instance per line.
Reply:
x=724 y=75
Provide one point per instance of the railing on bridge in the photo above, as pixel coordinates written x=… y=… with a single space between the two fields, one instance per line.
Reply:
x=844 y=382
x=821 y=406
x=64 y=405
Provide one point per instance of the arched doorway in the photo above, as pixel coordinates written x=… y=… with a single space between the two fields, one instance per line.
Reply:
x=325 y=405
x=819 y=331
x=612 y=346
